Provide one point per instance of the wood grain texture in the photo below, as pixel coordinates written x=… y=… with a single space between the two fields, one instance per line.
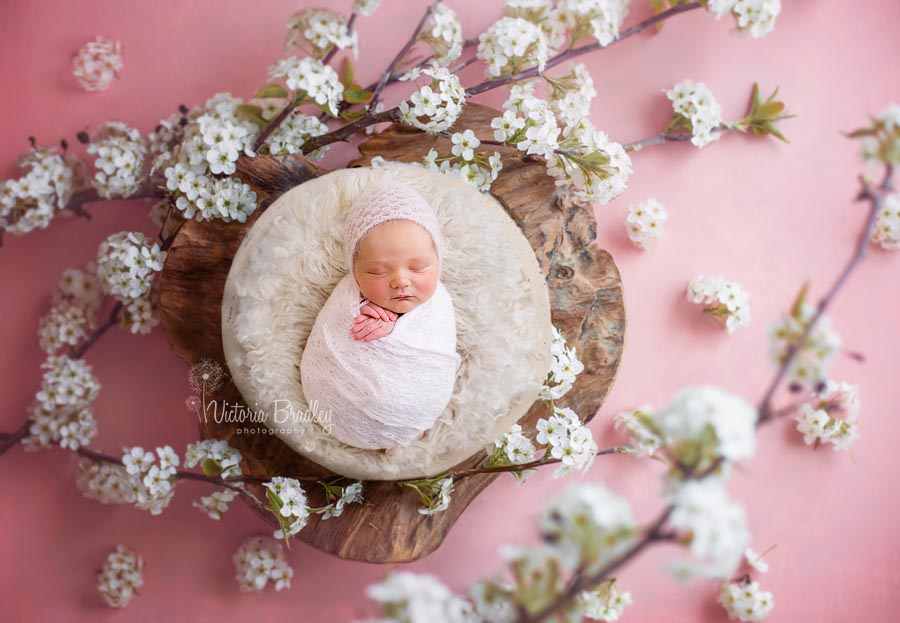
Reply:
x=585 y=296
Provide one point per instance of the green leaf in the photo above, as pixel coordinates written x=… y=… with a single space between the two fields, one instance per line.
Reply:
x=754 y=100
x=658 y=7
x=352 y=115
x=798 y=302
x=271 y=90
x=253 y=113
x=346 y=72
x=211 y=467
x=355 y=94
x=769 y=110
x=775 y=132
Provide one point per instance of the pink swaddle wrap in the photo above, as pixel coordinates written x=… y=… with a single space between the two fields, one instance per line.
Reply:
x=388 y=391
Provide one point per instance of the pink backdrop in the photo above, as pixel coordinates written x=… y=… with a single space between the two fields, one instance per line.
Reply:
x=763 y=213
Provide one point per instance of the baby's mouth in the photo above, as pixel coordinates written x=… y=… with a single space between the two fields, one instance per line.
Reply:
x=403 y=297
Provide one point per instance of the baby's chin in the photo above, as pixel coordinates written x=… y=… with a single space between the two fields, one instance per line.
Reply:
x=403 y=306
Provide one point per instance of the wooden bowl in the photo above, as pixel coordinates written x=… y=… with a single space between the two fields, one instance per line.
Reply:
x=586 y=301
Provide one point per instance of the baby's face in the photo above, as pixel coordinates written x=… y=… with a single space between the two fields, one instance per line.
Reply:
x=396 y=266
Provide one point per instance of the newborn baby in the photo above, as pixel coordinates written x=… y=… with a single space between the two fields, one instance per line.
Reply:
x=381 y=356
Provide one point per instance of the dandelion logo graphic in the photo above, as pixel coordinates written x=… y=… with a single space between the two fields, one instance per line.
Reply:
x=205 y=376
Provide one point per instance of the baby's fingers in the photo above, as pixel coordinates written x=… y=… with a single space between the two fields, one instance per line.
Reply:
x=363 y=329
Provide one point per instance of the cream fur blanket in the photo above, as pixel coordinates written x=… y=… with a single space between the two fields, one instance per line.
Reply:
x=388 y=391
x=290 y=262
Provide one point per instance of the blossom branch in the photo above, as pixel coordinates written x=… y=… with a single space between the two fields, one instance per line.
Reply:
x=574 y=52
x=371 y=118
x=409 y=44
x=582 y=582
x=520 y=467
x=876 y=199
x=327 y=58
x=184 y=475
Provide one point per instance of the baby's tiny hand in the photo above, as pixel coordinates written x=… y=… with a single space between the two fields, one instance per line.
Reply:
x=372 y=310
x=367 y=328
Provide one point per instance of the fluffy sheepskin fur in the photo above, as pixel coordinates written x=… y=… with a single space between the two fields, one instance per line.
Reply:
x=291 y=260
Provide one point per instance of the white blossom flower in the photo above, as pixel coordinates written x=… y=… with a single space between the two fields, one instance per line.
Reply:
x=106 y=483
x=571 y=95
x=289 y=505
x=351 y=494
x=832 y=417
x=150 y=486
x=420 y=598
x=756 y=16
x=744 y=601
x=318 y=81
x=464 y=144
x=440 y=102
x=64 y=325
x=880 y=142
x=323 y=30
x=696 y=110
x=436 y=496
x=365 y=7
x=645 y=222
x=258 y=560
x=603 y=604
x=695 y=412
x=126 y=265
x=213 y=139
x=646 y=438
x=120 y=576
x=537 y=568
x=29 y=202
x=721 y=299
x=516 y=447
x=216 y=504
x=60 y=413
x=97 y=63
x=569 y=440
x=564 y=368
x=813 y=358
x=542 y=13
x=590 y=165
x=588 y=524
x=755 y=560
x=512 y=44
x=715 y=526
x=121 y=155
x=295 y=130
x=137 y=460
x=443 y=33
x=138 y=481
x=494 y=601
x=598 y=18
x=475 y=170
x=215 y=456
x=513 y=448
x=886 y=231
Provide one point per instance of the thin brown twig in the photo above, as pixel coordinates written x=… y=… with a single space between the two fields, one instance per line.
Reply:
x=370 y=118
x=216 y=480
x=376 y=95
x=876 y=200
x=544 y=460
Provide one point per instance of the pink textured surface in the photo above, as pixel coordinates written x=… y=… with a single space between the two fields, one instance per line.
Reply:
x=766 y=214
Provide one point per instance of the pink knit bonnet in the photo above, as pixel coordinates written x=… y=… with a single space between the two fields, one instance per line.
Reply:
x=388 y=200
